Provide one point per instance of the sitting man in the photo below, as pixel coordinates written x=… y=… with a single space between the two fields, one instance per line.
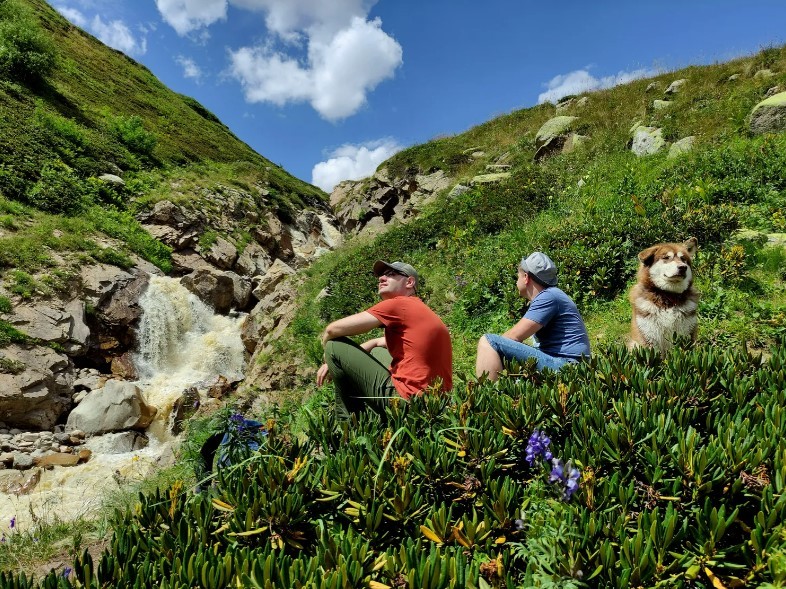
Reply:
x=413 y=353
x=552 y=318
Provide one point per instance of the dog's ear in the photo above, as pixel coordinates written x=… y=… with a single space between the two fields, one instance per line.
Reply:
x=647 y=257
x=691 y=245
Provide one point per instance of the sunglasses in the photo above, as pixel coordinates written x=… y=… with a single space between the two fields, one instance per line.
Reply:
x=390 y=273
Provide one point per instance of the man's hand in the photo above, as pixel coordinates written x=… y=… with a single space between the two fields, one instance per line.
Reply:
x=323 y=375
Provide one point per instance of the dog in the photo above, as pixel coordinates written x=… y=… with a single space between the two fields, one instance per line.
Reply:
x=664 y=301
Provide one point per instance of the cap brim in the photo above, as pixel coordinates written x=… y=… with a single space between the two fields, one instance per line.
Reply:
x=380 y=266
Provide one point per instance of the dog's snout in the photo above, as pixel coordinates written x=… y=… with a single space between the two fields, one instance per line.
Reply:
x=682 y=269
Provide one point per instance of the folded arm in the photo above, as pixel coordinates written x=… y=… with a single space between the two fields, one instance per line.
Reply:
x=522 y=330
x=352 y=325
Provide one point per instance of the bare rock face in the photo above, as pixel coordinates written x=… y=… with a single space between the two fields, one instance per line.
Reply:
x=39 y=390
x=55 y=322
x=378 y=200
x=214 y=288
x=118 y=406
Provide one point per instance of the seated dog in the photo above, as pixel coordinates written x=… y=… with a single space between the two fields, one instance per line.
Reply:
x=664 y=301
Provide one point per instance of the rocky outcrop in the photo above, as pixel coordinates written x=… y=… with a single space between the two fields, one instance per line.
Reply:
x=365 y=205
x=769 y=115
x=556 y=136
x=38 y=390
x=214 y=288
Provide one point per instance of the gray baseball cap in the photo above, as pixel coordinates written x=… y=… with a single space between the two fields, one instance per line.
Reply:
x=541 y=267
x=400 y=267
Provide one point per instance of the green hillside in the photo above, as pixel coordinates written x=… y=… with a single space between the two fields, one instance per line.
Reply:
x=593 y=210
x=72 y=109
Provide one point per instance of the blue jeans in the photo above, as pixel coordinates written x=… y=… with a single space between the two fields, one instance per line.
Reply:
x=509 y=349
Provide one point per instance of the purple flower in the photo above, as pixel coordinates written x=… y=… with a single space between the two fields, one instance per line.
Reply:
x=66 y=572
x=537 y=445
x=566 y=474
x=13 y=522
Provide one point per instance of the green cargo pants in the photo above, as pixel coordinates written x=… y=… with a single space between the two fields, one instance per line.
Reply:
x=361 y=379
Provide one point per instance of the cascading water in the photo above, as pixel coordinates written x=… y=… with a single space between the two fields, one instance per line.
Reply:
x=181 y=343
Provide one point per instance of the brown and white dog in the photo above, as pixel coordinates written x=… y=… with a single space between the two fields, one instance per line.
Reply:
x=664 y=301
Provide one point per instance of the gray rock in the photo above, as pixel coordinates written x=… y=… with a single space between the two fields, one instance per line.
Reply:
x=241 y=290
x=661 y=104
x=37 y=396
x=267 y=283
x=763 y=74
x=213 y=287
x=653 y=86
x=647 y=141
x=253 y=261
x=555 y=127
x=458 y=190
x=490 y=178
x=684 y=145
x=22 y=461
x=733 y=77
x=769 y=116
x=222 y=254
x=118 y=406
x=112 y=179
x=675 y=86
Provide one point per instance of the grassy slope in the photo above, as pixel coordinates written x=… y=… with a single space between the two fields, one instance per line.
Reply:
x=71 y=117
x=593 y=210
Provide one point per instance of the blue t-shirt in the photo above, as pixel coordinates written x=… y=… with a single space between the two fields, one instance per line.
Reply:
x=563 y=333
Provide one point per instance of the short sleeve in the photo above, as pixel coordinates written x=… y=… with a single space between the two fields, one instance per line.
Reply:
x=543 y=309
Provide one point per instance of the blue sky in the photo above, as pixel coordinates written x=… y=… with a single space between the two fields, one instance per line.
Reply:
x=330 y=88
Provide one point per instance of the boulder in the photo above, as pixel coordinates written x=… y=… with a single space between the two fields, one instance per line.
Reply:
x=221 y=254
x=675 y=86
x=54 y=322
x=763 y=74
x=268 y=283
x=490 y=178
x=213 y=287
x=41 y=389
x=553 y=128
x=647 y=141
x=118 y=406
x=684 y=145
x=112 y=179
x=769 y=116
x=661 y=104
x=458 y=190
x=254 y=260
x=241 y=291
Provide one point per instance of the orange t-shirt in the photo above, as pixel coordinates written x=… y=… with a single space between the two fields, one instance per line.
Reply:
x=419 y=342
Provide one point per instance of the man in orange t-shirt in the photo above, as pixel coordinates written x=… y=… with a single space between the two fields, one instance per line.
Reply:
x=414 y=352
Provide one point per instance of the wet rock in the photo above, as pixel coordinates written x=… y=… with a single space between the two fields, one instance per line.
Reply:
x=214 y=288
x=117 y=443
x=123 y=367
x=118 y=406
x=13 y=482
x=56 y=459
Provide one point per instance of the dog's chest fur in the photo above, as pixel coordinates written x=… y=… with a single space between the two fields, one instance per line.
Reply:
x=659 y=322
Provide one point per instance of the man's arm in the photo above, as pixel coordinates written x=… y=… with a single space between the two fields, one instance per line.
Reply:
x=522 y=330
x=352 y=325
x=377 y=342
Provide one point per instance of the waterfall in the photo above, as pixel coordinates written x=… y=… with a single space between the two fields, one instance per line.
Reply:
x=181 y=343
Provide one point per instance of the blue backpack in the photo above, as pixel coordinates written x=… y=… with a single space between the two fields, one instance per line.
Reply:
x=239 y=439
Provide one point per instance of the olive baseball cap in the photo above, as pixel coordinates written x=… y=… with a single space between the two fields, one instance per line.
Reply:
x=401 y=267
x=541 y=267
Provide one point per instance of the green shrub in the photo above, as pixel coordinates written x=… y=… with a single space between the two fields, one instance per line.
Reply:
x=27 y=54
x=11 y=335
x=5 y=305
x=130 y=130
x=59 y=190
x=23 y=284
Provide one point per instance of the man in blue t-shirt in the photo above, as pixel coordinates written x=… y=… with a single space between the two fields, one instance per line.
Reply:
x=552 y=318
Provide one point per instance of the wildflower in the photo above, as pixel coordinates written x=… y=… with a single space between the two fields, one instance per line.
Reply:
x=567 y=474
x=66 y=572
x=13 y=522
x=537 y=445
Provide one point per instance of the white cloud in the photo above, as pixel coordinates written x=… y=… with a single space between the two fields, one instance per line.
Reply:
x=116 y=34
x=73 y=15
x=190 y=68
x=352 y=162
x=326 y=53
x=186 y=16
x=579 y=81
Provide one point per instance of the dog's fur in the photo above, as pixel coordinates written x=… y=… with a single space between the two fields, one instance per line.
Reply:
x=664 y=301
